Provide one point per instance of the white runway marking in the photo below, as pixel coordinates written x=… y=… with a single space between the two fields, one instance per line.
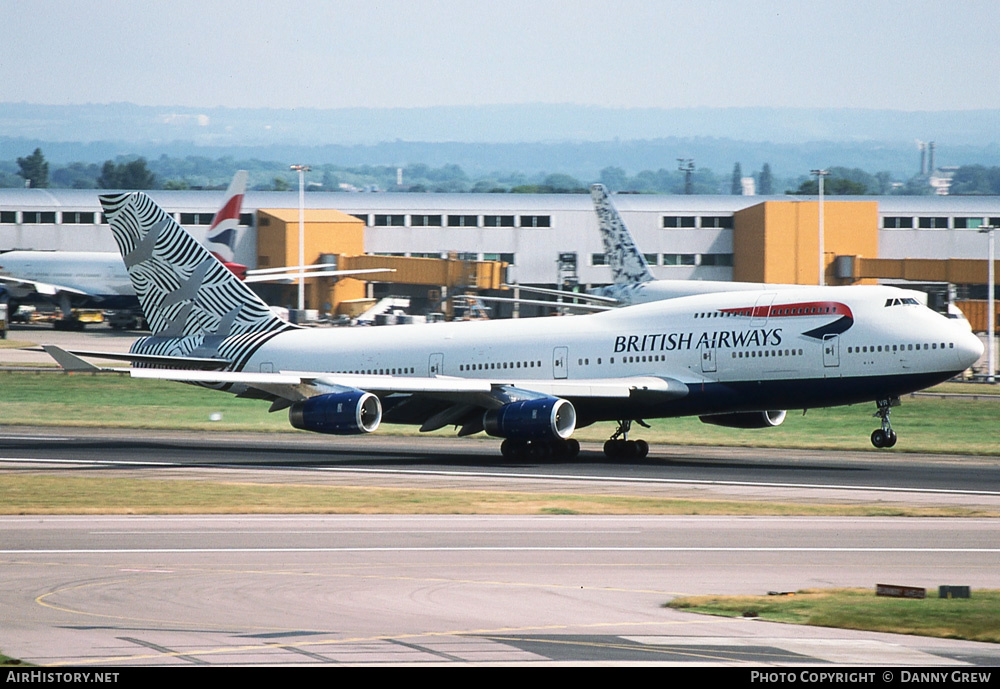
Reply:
x=498 y=549
x=495 y=474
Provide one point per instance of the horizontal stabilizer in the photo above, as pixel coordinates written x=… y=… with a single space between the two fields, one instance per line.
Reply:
x=69 y=362
x=163 y=360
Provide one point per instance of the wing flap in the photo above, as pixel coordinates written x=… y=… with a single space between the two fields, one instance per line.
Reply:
x=44 y=288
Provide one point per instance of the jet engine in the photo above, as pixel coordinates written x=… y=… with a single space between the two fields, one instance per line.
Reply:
x=747 y=419
x=339 y=413
x=546 y=418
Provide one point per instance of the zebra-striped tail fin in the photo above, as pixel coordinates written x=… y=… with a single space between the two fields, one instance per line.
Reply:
x=184 y=291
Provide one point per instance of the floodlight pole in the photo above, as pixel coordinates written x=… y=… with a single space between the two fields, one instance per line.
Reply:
x=302 y=169
x=820 y=174
x=990 y=310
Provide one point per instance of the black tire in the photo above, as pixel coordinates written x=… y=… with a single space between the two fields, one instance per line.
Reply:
x=572 y=448
x=512 y=449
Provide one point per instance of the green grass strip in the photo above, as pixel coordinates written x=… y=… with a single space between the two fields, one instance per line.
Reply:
x=27 y=493
x=975 y=619
x=924 y=424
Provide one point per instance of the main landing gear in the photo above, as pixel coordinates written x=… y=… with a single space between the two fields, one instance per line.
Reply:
x=515 y=448
x=885 y=436
x=619 y=447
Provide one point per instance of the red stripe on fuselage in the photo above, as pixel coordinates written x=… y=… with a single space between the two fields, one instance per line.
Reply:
x=810 y=308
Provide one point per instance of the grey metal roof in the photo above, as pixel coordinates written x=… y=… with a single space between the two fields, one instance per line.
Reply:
x=391 y=202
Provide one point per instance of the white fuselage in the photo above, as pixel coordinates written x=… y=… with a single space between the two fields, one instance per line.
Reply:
x=100 y=275
x=820 y=346
x=654 y=290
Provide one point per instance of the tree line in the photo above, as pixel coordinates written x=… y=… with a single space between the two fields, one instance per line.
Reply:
x=194 y=172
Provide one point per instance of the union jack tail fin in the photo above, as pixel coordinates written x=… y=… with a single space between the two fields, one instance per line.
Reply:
x=225 y=225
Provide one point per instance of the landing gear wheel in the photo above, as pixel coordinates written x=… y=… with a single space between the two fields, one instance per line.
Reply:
x=539 y=449
x=626 y=449
x=572 y=448
x=885 y=436
x=517 y=449
x=513 y=449
x=619 y=447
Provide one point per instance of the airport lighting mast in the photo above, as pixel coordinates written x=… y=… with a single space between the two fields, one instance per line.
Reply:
x=990 y=306
x=686 y=165
x=820 y=174
x=302 y=169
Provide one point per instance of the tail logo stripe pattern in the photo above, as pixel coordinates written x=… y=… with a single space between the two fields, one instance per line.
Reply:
x=187 y=295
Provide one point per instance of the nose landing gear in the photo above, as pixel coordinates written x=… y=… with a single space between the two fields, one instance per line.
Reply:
x=885 y=436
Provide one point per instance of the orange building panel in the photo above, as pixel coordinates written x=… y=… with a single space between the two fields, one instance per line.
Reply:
x=778 y=241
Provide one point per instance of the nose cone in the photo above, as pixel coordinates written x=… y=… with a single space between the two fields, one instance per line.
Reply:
x=969 y=348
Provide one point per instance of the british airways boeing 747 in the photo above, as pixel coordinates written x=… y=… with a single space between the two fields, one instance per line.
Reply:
x=736 y=358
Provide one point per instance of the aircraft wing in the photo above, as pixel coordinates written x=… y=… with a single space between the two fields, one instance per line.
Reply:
x=441 y=386
x=431 y=401
x=45 y=288
x=608 y=302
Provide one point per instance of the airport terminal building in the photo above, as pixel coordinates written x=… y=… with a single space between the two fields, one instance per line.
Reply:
x=553 y=239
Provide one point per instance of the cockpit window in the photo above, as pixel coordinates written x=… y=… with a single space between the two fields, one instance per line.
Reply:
x=905 y=301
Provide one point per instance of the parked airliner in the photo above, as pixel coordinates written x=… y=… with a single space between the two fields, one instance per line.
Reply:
x=99 y=278
x=732 y=358
x=632 y=281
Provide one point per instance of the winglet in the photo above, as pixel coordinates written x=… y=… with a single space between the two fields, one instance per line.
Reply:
x=70 y=362
x=628 y=265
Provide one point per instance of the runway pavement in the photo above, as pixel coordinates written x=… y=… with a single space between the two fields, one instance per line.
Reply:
x=742 y=474
x=96 y=337
x=92 y=591
x=377 y=590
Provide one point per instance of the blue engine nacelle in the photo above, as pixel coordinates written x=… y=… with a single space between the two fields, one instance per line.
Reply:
x=339 y=413
x=746 y=419
x=540 y=419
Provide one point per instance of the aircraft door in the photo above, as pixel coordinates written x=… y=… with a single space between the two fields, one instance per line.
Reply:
x=831 y=351
x=435 y=367
x=560 y=362
x=708 y=364
x=762 y=310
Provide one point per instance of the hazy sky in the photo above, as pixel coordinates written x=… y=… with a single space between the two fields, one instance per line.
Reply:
x=899 y=54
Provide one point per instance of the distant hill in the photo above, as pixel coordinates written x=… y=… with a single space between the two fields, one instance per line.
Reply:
x=577 y=140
